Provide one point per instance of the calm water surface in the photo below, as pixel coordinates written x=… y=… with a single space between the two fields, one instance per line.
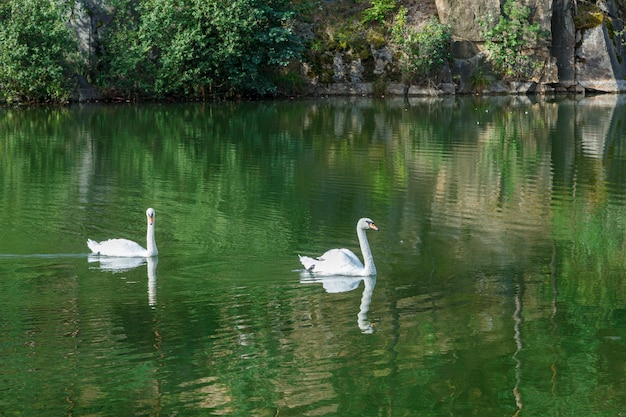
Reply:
x=501 y=257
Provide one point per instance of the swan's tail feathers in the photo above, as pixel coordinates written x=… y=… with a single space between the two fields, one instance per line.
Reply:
x=307 y=263
x=93 y=245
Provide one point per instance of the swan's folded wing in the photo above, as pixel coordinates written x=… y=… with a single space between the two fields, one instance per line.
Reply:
x=334 y=262
x=116 y=247
x=341 y=257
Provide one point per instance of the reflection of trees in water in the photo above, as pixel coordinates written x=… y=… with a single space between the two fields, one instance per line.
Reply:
x=517 y=320
x=477 y=185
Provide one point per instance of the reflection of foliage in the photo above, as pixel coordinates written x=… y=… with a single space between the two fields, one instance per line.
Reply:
x=593 y=246
x=242 y=181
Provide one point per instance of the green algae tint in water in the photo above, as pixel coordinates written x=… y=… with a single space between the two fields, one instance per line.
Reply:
x=500 y=286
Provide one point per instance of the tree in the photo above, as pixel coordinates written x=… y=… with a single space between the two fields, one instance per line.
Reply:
x=37 y=51
x=167 y=47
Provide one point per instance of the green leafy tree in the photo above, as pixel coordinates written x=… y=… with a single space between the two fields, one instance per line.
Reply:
x=167 y=47
x=37 y=51
x=510 y=41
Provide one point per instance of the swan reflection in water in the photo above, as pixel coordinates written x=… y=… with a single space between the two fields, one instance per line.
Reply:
x=119 y=264
x=337 y=284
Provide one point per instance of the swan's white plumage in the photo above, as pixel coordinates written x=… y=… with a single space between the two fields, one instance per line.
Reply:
x=344 y=261
x=117 y=247
x=125 y=247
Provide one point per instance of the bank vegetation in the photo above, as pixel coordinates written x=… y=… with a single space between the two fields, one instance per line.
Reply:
x=133 y=50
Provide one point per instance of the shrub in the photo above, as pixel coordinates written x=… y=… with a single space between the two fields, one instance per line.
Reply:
x=37 y=51
x=378 y=11
x=379 y=87
x=169 y=47
x=423 y=52
x=511 y=41
x=478 y=80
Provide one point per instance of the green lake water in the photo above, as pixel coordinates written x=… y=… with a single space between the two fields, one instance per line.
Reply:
x=501 y=285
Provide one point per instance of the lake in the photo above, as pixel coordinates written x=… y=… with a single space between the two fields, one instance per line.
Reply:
x=501 y=256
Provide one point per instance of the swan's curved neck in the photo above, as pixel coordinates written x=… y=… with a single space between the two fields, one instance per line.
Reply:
x=368 y=260
x=151 y=241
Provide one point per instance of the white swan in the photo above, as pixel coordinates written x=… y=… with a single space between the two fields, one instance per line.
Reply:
x=344 y=261
x=127 y=248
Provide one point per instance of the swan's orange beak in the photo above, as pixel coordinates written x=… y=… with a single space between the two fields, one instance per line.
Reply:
x=151 y=220
x=373 y=226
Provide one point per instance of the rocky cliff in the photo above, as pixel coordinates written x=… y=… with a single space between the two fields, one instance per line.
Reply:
x=583 y=50
x=585 y=41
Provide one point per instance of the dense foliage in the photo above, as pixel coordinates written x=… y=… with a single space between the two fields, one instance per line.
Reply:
x=162 y=48
x=152 y=49
x=37 y=51
x=201 y=49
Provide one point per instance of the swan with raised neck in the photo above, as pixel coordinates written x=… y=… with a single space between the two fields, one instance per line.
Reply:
x=344 y=261
x=128 y=248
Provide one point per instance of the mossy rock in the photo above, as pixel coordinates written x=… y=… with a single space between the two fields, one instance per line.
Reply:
x=588 y=19
x=360 y=48
x=376 y=38
x=321 y=67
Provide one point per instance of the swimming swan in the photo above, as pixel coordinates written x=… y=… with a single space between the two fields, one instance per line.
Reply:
x=128 y=248
x=344 y=261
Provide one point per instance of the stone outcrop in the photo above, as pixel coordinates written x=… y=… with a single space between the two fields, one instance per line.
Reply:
x=564 y=42
x=583 y=50
x=89 y=19
x=465 y=17
x=585 y=47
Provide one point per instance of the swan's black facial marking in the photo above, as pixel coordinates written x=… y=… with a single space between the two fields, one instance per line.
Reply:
x=371 y=225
